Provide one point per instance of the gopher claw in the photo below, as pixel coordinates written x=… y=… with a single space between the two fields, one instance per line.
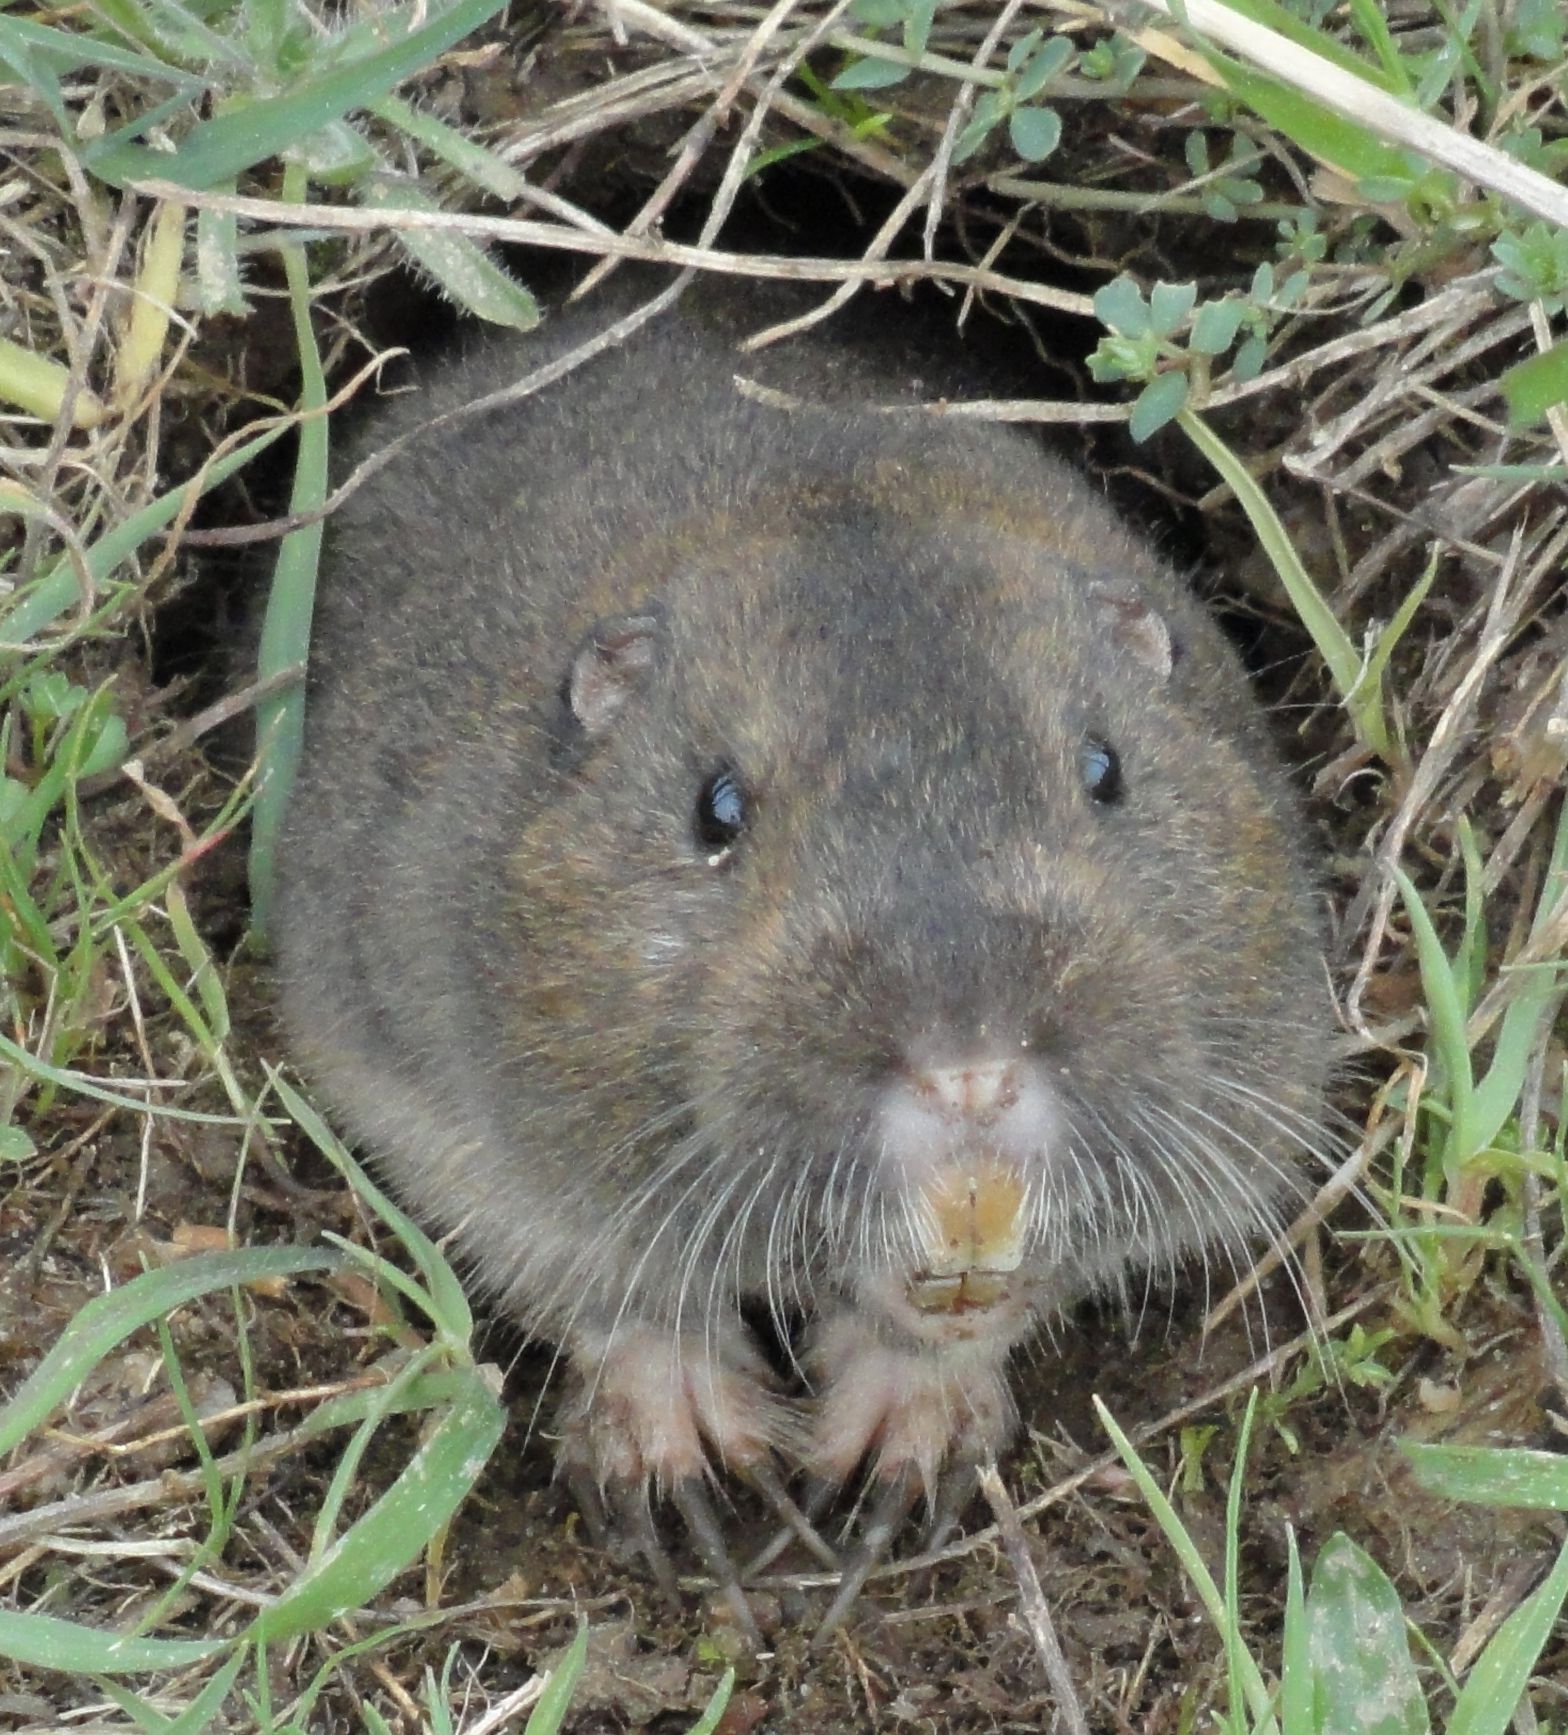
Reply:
x=651 y=1416
x=924 y=1419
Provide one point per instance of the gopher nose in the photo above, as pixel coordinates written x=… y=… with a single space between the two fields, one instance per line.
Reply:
x=977 y=1091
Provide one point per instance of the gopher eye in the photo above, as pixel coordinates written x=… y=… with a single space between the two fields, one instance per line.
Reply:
x=1100 y=767
x=721 y=813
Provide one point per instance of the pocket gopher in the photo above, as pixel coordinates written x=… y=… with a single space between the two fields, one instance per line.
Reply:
x=811 y=857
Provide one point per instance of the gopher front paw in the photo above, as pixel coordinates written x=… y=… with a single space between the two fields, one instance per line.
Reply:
x=650 y=1410
x=909 y=1411
x=652 y=1413
x=923 y=1418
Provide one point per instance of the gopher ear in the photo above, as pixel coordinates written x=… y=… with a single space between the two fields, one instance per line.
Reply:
x=1137 y=627
x=611 y=664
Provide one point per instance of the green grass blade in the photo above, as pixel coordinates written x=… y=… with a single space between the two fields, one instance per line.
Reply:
x=1317 y=130
x=1284 y=23
x=448 y=1303
x=1192 y=1562
x=220 y=284
x=145 y=1718
x=556 y=1698
x=382 y=1402
x=1380 y=39
x=1497 y=1095
x=33 y=72
x=1235 y=1651
x=433 y=1388
x=41 y=604
x=1388 y=640
x=1448 y=1020
x=223 y=147
x=473 y=162
x=285 y=630
x=1491 y=1694
x=82 y=1085
x=198 y=1715
x=708 y=1722
x=108 y=1320
x=1491 y=1475
x=1469 y=963
x=1361 y=698
x=47 y=1642
x=1295 y=1692
x=392 y=1534
x=63 y=52
x=176 y=33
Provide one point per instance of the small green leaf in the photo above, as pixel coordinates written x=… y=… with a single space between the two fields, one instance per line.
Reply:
x=878 y=14
x=1215 y=327
x=1531 y=388
x=870 y=73
x=1120 y=306
x=1018 y=55
x=1389 y=189
x=1364 y=1682
x=1169 y=305
x=16 y=1145
x=917 y=24
x=1161 y=401
x=1051 y=60
x=988 y=112
x=780 y=154
x=458 y=263
x=1250 y=358
x=1034 y=132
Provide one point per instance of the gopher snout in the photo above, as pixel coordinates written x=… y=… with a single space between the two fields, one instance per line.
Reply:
x=960 y=1139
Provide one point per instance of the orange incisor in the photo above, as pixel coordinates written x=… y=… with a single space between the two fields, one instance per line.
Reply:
x=974 y=1237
